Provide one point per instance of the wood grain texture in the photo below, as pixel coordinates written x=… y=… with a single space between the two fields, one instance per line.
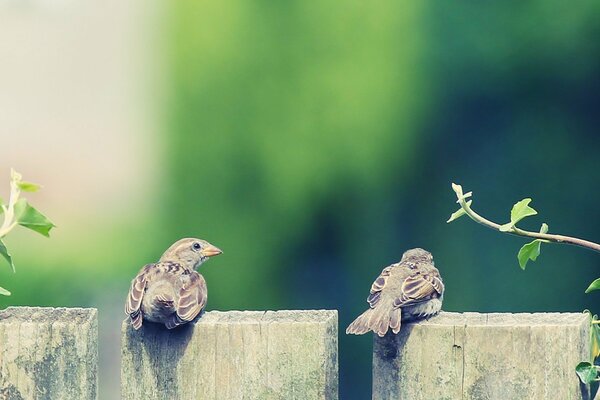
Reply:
x=483 y=357
x=234 y=355
x=48 y=353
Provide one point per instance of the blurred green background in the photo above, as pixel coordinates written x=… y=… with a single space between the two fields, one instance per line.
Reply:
x=314 y=143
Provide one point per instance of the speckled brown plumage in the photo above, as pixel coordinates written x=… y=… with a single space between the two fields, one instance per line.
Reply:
x=410 y=289
x=171 y=291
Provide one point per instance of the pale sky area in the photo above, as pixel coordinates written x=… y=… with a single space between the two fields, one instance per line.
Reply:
x=80 y=101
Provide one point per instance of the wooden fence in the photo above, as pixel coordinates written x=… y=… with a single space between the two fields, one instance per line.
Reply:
x=49 y=354
x=483 y=356
x=234 y=355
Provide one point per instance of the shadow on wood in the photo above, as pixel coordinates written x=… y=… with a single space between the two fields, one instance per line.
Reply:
x=149 y=343
x=234 y=355
x=476 y=356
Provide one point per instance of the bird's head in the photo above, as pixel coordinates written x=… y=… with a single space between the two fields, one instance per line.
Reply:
x=417 y=255
x=190 y=252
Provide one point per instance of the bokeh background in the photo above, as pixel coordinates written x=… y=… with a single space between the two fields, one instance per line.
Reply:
x=312 y=142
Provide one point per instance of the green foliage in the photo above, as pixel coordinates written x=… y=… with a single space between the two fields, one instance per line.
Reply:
x=594 y=358
x=519 y=211
x=28 y=186
x=461 y=200
x=29 y=217
x=6 y=255
x=587 y=372
x=595 y=337
x=594 y=286
x=457 y=214
x=20 y=212
x=531 y=250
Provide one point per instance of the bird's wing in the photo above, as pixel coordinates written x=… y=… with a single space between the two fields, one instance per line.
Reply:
x=418 y=288
x=192 y=298
x=136 y=293
x=378 y=285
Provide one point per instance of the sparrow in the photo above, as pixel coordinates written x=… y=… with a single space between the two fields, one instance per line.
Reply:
x=171 y=291
x=411 y=289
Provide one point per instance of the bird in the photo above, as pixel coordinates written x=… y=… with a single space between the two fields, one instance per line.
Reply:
x=410 y=289
x=171 y=291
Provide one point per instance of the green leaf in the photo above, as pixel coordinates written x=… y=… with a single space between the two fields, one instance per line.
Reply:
x=594 y=286
x=587 y=372
x=31 y=218
x=28 y=186
x=544 y=228
x=6 y=255
x=4 y=292
x=459 y=213
x=594 y=337
x=530 y=251
x=595 y=345
x=521 y=210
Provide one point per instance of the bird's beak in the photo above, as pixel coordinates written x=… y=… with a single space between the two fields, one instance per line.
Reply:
x=210 y=251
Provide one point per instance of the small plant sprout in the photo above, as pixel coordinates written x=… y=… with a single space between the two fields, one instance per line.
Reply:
x=520 y=210
x=19 y=212
x=588 y=371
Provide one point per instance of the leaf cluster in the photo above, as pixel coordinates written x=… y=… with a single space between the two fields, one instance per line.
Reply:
x=18 y=211
x=519 y=211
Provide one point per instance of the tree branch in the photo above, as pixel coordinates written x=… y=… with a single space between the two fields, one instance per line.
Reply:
x=465 y=205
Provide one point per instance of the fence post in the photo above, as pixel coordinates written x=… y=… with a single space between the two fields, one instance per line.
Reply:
x=483 y=356
x=234 y=355
x=48 y=353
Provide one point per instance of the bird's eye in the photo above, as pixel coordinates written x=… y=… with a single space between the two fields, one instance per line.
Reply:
x=196 y=246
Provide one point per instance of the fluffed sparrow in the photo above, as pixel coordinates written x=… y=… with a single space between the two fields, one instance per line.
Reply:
x=171 y=291
x=408 y=290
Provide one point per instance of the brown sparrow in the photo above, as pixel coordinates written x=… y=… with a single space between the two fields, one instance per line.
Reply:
x=170 y=291
x=408 y=290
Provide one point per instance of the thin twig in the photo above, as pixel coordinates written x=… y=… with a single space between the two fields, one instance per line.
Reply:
x=521 y=232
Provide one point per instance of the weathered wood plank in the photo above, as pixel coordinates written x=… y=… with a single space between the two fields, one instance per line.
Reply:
x=234 y=355
x=482 y=356
x=48 y=353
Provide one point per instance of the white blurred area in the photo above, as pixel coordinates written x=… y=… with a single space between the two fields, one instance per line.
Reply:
x=81 y=94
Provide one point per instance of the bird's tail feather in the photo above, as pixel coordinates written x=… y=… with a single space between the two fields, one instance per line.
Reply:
x=164 y=300
x=378 y=320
